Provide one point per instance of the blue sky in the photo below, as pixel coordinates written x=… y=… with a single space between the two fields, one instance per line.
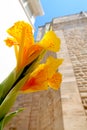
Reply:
x=58 y=8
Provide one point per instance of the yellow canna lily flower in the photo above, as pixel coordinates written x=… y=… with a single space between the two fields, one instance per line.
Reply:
x=23 y=41
x=44 y=75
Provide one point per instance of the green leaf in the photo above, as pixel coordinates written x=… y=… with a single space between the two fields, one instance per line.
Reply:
x=7 y=84
x=8 y=117
x=11 y=97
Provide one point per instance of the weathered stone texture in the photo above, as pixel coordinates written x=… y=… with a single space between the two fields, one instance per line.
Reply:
x=73 y=49
x=42 y=112
x=73 y=113
x=76 y=40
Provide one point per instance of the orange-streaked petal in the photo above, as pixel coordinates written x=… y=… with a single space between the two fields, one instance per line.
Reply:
x=29 y=55
x=50 y=42
x=22 y=32
x=39 y=78
x=10 y=42
x=55 y=81
x=37 y=81
x=32 y=85
x=46 y=70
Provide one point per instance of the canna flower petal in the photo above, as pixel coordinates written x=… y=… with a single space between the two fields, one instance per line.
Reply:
x=37 y=80
x=53 y=64
x=55 y=81
x=29 y=55
x=32 y=85
x=10 y=42
x=50 y=42
x=22 y=32
x=40 y=77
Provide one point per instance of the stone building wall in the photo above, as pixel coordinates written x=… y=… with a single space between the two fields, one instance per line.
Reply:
x=42 y=112
x=75 y=35
x=77 y=45
x=72 y=32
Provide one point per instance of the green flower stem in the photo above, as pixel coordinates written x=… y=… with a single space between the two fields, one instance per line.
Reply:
x=11 y=97
x=7 y=84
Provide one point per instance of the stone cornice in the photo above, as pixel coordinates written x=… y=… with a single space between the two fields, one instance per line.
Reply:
x=69 y=21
